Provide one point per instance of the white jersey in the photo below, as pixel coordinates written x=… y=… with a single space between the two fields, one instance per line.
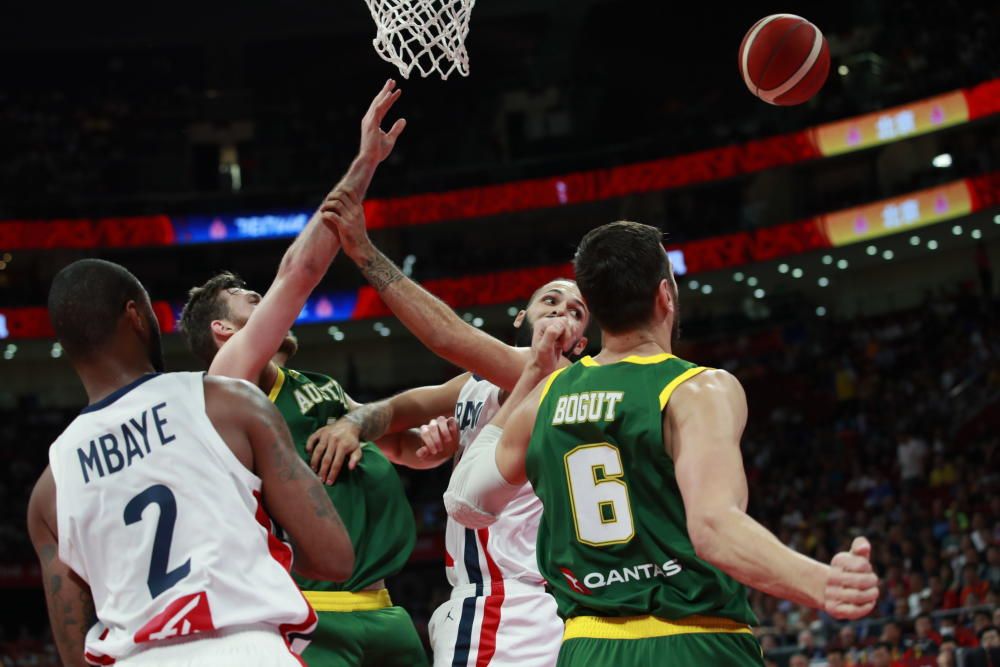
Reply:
x=505 y=550
x=166 y=525
x=499 y=613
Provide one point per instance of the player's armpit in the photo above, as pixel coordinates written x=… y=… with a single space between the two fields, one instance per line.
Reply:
x=69 y=601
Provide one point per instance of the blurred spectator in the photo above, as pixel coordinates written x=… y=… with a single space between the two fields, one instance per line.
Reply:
x=989 y=637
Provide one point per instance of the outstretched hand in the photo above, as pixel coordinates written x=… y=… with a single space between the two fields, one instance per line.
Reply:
x=342 y=211
x=377 y=144
x=851 y=587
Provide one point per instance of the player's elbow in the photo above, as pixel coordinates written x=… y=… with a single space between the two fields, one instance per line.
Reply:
x=707 y=535
x=334 y=566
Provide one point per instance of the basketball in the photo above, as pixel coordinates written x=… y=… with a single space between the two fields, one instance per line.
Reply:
x=784 y=59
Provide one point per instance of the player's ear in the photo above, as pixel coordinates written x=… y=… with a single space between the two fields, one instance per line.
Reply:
x=222 y=331
x=519 y=320
x=133 y=314
x=580 y=346
x=665 y=296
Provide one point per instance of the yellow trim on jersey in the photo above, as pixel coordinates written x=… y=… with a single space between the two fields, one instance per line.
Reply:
x=347 y=601
x=276 y=389
x=632 y=359
x=643 y=627
x=548 y=384
x=669 y=389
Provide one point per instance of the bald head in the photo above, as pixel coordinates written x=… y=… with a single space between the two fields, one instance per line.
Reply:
x=87 y=301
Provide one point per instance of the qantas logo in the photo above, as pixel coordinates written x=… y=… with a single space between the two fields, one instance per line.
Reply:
x=620 y=575
x=574 y=583
x=184 y=616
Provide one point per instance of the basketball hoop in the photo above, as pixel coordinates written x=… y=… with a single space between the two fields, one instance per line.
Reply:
x=426 y=34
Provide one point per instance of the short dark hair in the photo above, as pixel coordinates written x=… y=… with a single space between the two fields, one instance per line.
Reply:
x=619 y=267
x=202 y=308
x=86 y=300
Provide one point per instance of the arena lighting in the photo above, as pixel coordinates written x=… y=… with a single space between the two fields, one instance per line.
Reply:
x=512 y=311
x=843 y=70
x=942 y=161
x=752 y=281
x=996 y=219
x=977 y=234
x=871 y=250
x=693 y=284
x=10 y=351
x=3 y=265
x=738 y=276
x=338 y=336
x=706 y=289
x=823 y=281
x=957 y=230
x=827 y=259
x=7 y=257
x=759 y=293
x=467 y=317
x=888 y=254
x=820 y=311
x=57 y=350
x=797 y=272
x=477 y=322
x=378 y=326
x=932 y=245
x=384 y=331
x=914 y=240
x=782 y=268
x=842 y=264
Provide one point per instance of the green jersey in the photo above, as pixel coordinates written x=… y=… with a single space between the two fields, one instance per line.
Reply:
x=370 y=499
x=613 y=537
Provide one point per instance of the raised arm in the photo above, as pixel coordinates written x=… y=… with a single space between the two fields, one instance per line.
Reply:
x=292 y=494
x=431 y=320
x=388 y=423
x=71 y=606
x=306 y=261
x=702 y=428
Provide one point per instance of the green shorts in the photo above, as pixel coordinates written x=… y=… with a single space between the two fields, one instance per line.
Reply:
x=366 y=638
x=683 y=649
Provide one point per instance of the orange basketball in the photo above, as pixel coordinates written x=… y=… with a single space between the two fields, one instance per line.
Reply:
x=784 y=59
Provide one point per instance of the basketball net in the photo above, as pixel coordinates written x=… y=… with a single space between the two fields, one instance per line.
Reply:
x=426 y=34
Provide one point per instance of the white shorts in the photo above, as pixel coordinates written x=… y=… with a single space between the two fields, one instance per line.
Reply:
x=236 y=647
x=518 y=628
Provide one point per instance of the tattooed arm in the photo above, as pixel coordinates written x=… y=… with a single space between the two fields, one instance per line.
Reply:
x=431 y=320
x=389 y=423
x=71 y=607
x=292 y=494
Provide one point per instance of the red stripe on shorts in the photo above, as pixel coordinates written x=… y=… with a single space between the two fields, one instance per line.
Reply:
x=491 y=611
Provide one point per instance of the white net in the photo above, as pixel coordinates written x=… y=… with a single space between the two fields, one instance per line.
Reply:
x=426 y=34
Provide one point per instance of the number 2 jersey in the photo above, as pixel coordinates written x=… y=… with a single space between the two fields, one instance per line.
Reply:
x=613 y=538
x=163 y=522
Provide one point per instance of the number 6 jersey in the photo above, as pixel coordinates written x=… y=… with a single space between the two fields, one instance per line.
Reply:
x=166 y=525
x=613 y=537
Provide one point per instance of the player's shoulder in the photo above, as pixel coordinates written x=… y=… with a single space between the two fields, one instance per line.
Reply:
x=220 y=389
x=709 y=385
